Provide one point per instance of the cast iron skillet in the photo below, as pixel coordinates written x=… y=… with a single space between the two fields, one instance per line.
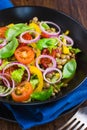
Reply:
x=77 y=32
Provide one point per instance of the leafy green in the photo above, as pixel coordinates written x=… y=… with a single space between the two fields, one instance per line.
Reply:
x=45 y=26
x=3 y=64
x=43 y=95
x=75 y=50
x=58 y=86
x=8 y=50
x=34 y=82
x=69 y=68
x=18 y=74
x=2 y=89
x=16 y=30
x=1 y=41
x=47 y=43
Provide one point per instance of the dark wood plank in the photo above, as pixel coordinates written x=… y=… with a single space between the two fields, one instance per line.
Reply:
x=75 y=8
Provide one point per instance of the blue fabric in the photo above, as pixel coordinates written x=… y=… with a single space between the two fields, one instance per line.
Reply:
x=30 y=116
x=5 y=4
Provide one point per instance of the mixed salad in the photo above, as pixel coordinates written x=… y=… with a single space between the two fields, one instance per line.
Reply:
x=36 y=60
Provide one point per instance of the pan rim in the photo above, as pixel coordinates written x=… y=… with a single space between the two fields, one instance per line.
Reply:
x=53 y=99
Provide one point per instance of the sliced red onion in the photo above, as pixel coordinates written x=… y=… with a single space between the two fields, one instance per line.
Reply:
x=51 y=70
x=19 y=64
x=51 y=34
x=21 y=39
x=68 y=39
x=6 y=75
x=4 y=41
x=4 y=79
x=45 y=56
x=10 y=88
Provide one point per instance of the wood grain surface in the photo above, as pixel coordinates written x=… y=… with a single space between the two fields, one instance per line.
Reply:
x=78 y=10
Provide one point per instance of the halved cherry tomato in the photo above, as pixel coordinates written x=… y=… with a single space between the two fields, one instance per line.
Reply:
x=53 y=53
x=2 y=31
x=44 y=35
x=24 y=54
x=47 y=52
x=22 y=92
x=45 y=61
x=27 y=36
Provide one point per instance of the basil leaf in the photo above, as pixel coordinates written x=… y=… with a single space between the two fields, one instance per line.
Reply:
x=8 y=50
x=47 y=43
x=16 y=30
x=43 y=95
x=42 y=43
x=69 y=68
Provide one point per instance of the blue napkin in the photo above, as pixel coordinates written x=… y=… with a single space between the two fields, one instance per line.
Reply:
x=5 y=4
x=30 y=116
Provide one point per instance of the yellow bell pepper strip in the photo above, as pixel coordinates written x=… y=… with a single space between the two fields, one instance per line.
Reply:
x=35 y=26
x=67 y=32
x=35 y=70
x=33 y=45
x=65 y=49
x=37 y=51
x=10 y=25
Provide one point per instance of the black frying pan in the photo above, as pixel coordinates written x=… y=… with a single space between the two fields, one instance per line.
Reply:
x=77 y=32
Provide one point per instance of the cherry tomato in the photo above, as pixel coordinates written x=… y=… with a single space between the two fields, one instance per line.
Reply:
x=22 y=92
x=45 y=61
x=44 y=35
x=27 y=36
x=24 y=54
x=2 y=31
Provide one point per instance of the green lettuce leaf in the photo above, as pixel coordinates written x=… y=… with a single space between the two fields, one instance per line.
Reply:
x=17 y=74
x=34 y=82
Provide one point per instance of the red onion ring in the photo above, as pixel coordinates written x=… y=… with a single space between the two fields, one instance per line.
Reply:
x=19 y=64
x=3 y=43
x=52 y=34
x=21 y=39
x=50 y=70
x=71 y=42
x=45 y=56
x=4 y=79
x=9 y=87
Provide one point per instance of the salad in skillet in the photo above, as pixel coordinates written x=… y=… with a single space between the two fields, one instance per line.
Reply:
x=36 y=60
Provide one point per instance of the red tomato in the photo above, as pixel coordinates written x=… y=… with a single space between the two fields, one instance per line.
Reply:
x=22 y=92
x=24 y=54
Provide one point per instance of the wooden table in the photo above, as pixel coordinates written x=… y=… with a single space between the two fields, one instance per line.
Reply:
x=78 y=10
